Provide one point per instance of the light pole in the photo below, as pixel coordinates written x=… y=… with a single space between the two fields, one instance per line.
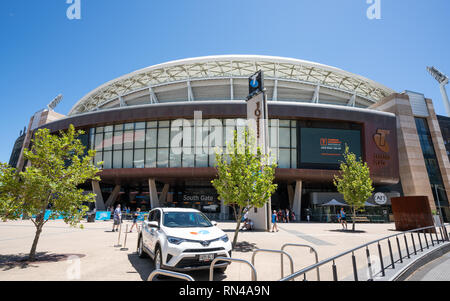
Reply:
x=442 y=79
x=438 y=201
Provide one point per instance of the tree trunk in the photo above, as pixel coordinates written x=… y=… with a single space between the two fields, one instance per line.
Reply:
x=354 y=215
x=236 y=233
x=32 y=256
x=238 y=225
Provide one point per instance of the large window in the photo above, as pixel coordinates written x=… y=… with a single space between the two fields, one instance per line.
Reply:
x=429 y=154
x=181 y=143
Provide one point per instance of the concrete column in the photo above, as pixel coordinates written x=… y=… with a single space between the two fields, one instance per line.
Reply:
x=163 y=195
x=99 y=204
x=259 y=217
x=154 y=201
x=297 y=207
x=291 y=193
x=113 y=197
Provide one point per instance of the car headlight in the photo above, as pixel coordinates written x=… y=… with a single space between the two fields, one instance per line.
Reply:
x=224 y=238
x=175 y=240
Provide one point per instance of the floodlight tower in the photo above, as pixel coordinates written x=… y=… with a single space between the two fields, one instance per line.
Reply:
x=443 y=81
x=52 y=105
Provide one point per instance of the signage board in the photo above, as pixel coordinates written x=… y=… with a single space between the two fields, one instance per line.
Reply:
x=256 y=83
x=380 y=198
x=326 y=146
x=102 y=215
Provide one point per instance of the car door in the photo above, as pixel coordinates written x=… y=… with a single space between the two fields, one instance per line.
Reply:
x=153 y=233
x=146 y=229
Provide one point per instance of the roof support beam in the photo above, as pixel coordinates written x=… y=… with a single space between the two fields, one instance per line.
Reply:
x=275 y=91
x=352 y=101
x=231 y=89
x=122 y=102
x=153 y=98
x=190 y=94
x=316 y=95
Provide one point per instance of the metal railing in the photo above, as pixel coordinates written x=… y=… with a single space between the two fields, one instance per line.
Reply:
x=275 y=251
x=311 y=250
x=444 y=236
x=169 y=274
x=211 y=267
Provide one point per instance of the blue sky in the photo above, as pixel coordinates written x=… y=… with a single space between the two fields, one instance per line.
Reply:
x=43 y=53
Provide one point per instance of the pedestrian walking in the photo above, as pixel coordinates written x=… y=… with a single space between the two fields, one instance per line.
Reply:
x=274 y=221
x=117 y=218
x=135 y=217
x=343 y=218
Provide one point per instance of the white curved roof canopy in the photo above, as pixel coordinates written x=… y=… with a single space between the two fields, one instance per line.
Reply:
x=225 y=78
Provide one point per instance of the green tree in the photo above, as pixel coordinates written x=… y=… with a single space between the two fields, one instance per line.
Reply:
x=244 y=179
x=57 y=166
x=355 y=183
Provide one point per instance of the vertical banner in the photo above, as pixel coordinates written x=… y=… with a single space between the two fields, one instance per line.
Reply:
x=256 y=122
x=257 y=125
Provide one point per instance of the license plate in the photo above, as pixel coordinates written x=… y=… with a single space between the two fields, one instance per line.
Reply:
x=206 y=257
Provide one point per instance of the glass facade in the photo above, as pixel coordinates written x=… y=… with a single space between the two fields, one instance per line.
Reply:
x=429 y=154
x=444 y=123
x=178 y=143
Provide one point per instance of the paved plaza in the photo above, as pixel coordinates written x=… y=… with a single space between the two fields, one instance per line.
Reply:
x=437 y=270
x=99 y=257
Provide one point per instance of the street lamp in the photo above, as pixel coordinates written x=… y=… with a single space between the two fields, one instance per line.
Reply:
x=438 y=200
x=442 y=79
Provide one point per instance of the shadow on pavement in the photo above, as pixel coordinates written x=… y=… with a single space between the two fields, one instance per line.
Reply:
x=348 y=231
x=144 y=266
x=11 y=261
x=245 y=246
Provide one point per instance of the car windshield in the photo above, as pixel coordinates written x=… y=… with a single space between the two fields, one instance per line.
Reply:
x=185 y=220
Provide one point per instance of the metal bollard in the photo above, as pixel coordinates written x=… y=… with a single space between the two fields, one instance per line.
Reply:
x=125 y=241
x=118 y=239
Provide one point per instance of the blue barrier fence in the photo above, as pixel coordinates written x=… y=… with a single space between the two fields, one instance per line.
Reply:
x=47 y=215
x=103 y=215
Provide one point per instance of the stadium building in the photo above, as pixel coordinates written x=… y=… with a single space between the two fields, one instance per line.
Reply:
x=314 y=111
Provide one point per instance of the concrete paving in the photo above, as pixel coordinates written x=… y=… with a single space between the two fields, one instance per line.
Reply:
x=437 y=270
x=97 y=256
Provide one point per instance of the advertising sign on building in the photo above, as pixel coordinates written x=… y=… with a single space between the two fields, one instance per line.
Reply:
x=326 y=146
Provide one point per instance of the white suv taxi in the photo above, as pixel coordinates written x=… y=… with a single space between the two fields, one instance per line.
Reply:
x=182 y=239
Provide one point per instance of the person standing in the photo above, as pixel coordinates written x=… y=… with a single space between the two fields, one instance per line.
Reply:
x=274 y=221
x=287 y=215
x=135 y=218
x=246 y=215
x=292 y=216
x=117 y=218
x=343 y=218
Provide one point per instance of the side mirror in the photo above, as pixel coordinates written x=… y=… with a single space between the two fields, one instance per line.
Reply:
x=153 y=224
x=214 y=223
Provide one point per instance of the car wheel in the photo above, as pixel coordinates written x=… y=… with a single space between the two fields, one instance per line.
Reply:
x=158 y=259
x=141 y=251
